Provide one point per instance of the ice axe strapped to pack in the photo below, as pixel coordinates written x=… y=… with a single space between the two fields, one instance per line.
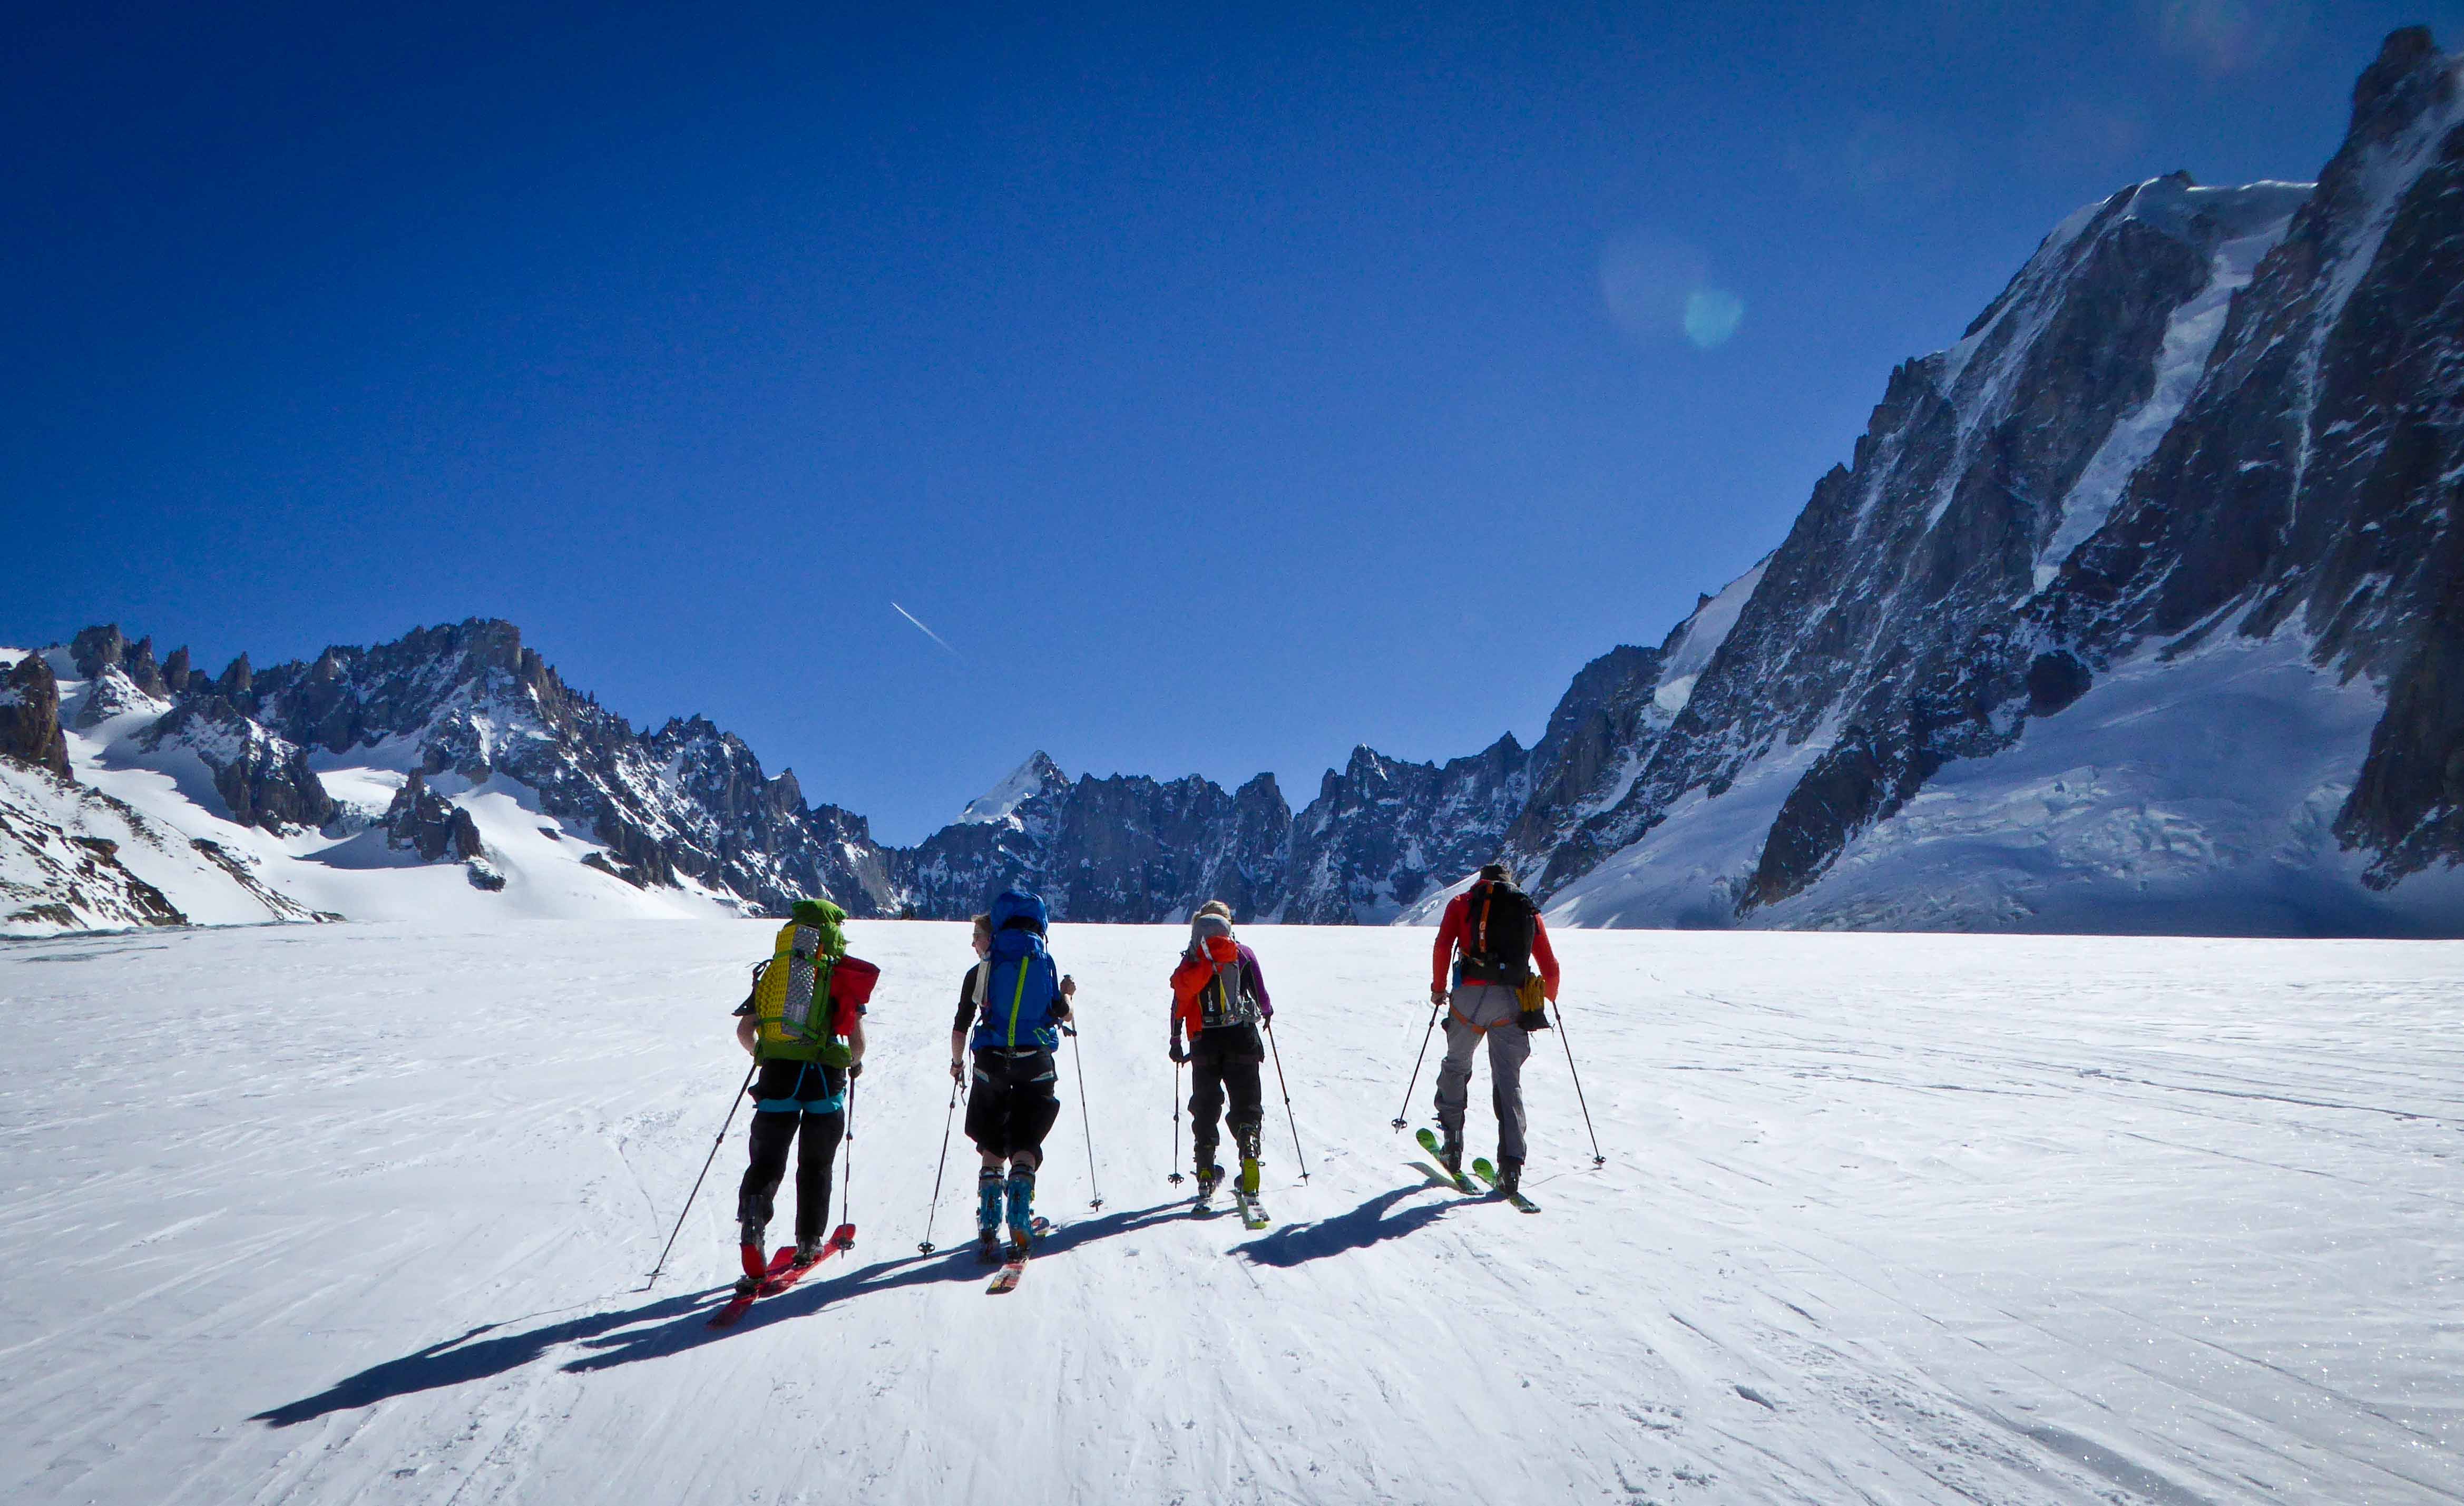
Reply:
x=806 y=1001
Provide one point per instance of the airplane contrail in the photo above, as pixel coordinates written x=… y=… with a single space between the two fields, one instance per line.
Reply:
x=927 y=632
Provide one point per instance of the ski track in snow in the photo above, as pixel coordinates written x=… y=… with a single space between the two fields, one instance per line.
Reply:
x=362 y=1213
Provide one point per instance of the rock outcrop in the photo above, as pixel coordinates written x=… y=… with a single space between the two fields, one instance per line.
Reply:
x=29 y=717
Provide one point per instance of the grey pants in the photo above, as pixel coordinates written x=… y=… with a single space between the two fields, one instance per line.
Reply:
x=1489 y=1008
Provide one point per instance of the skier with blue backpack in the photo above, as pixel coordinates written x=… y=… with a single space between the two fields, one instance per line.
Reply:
x=1018 y=1004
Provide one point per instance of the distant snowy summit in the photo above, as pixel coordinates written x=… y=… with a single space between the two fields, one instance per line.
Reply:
x=1038 y=775
x=2136 y=610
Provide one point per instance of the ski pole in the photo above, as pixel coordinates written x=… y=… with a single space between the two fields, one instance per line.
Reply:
x=929 y=1208
x=1175 y=1177
x=1078 y=1064
x=1399 y=1120
x=847 y=1177
x=1288 y=1099
x=1598 y=1159
x=705 y=1171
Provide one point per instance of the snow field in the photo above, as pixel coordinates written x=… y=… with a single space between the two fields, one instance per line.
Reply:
x=361 y=1212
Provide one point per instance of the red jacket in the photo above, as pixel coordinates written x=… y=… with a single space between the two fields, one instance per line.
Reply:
x=1450 y=935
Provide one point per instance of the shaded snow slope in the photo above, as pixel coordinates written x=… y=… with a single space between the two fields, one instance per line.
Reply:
x=2188 y=795
x=1908 y=1218
x=1698 y=637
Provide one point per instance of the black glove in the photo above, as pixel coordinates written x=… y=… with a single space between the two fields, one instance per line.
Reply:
x=1533 y=1019
x=854 y=1072
x=1179 y=1053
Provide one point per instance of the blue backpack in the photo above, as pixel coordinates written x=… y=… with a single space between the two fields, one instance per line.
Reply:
x=1018 y=984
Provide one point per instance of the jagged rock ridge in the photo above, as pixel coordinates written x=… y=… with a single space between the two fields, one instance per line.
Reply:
x=2189 y=484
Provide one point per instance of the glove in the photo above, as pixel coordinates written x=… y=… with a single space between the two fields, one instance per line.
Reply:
x=855 y=1071
x=1180 y=1052
x=1533 y=1019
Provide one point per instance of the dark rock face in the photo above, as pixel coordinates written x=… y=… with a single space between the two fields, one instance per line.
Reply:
x=1604 y=720
x=98 y=648
x=423 y=821
x=1121 y=848
x=264 y=779
x=1384 y=834
x=29 y=717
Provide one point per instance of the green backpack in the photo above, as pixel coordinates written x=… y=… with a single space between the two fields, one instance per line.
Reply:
x=791 y=1000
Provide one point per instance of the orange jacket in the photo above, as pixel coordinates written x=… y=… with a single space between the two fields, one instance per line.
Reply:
x=1450 y=935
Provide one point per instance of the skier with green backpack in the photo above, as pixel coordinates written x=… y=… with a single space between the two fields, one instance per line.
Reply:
x=803 y=1023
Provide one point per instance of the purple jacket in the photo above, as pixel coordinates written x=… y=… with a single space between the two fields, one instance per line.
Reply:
x=1252 y=978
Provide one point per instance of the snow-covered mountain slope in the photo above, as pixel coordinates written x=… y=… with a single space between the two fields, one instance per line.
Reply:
x=362 y=1213
x=195 y=812
x=1984 y=683
x=2131 y=612
x=448 y=774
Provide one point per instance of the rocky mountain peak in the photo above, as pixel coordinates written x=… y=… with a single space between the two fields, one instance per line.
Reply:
x=2406 y=80
x=1038 y=776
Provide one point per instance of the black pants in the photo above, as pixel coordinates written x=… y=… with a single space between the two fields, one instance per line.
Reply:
x=1223 y=1063
x=815 y=1138
x=1013 y=1102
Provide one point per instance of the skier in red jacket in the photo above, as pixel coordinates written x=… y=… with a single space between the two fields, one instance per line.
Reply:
x=1494 y=995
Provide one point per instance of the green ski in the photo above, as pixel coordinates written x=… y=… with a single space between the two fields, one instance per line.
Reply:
x=1488 y=1173
x=1428 y=1139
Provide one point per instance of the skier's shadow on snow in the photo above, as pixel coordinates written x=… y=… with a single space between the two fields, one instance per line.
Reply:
x=458 y=1359
x=678 y=1323
x=943 y=1267
x=1369 y=1224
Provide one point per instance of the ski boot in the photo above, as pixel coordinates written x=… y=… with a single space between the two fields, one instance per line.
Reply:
x=1021 y=1208
x=1450 y=1155
x=1248 y=1183
x=1210 y=1176
x=750 y=1252
x=1509 y=1177
x=988 y=1215
x=809 y=1250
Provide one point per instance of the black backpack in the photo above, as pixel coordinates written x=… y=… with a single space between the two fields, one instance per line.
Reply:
x=1498 y=924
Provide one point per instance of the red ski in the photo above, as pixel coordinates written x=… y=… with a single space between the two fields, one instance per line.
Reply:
x=777 y=1282
x=735 y=1305
x=782 y=1272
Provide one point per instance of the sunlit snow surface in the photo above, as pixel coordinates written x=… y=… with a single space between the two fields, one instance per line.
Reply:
x=361 y=1213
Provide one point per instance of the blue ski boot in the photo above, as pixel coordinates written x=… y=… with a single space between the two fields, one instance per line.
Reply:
x=1021 y=1208
x=988 y=1213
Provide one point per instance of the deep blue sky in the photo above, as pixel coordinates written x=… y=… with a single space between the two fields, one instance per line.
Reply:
x=1228 y=388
